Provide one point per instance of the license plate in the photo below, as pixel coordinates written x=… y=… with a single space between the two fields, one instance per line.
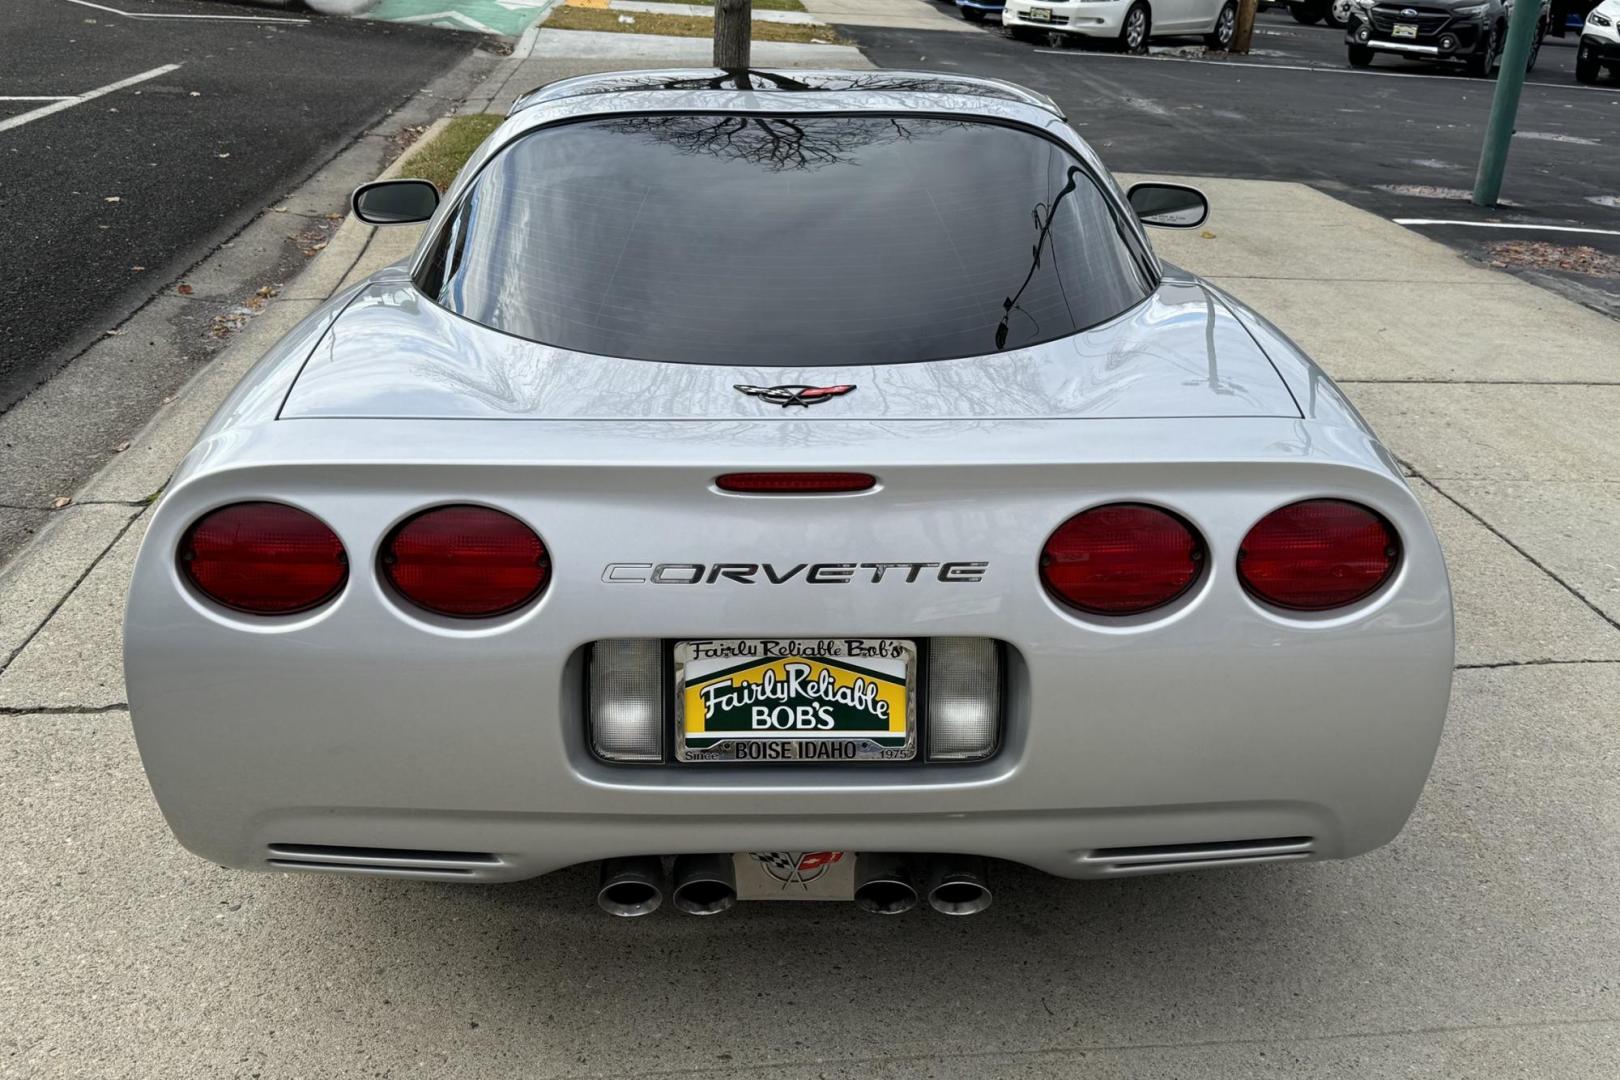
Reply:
x=1405 y=30
x=1040 y=14
x=795 y=700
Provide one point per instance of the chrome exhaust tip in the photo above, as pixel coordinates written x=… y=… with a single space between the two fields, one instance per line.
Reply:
x=958 y=886
x=883 y=884
x=704 y=884
x=631 y=886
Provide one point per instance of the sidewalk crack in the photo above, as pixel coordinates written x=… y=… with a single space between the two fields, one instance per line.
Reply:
x=1528 y=663
x=1472 y=382
x=46 y=621
x=1500 y=535
x=62 y=710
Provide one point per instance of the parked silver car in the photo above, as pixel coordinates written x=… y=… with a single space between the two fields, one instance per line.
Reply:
x=793 y=485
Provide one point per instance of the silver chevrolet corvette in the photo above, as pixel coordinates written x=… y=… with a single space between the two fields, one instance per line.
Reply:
x=800 y=485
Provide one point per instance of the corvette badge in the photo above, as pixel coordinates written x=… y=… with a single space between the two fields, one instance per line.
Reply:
x=795 y=393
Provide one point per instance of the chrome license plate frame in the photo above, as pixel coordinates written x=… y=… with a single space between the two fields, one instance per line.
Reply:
x=827 y=700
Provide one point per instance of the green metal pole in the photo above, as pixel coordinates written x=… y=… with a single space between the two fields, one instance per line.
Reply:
x=1505 y=106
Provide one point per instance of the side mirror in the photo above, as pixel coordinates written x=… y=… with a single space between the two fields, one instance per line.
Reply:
x=1169 y=206
x=395 y=202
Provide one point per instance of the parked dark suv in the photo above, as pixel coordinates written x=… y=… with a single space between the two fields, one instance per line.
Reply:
x=1470 y=31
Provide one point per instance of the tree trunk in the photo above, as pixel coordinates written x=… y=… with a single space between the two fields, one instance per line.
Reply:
x=1243 y=32
x=733 y=34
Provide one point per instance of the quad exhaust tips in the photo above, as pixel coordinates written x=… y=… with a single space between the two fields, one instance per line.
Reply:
x=631 y=886
x=707 y=885
x=704 y=884
x=883 y=884
x=958 y=886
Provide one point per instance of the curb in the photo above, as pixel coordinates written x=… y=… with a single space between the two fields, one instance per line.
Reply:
x=41 y=576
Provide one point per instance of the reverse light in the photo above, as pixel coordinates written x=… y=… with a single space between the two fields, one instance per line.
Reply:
x=263 y=558
x=467 y=562
x=1121 y=559
x=627 y=699
x=964 y=698
x=1318 y=554
x=795 y=483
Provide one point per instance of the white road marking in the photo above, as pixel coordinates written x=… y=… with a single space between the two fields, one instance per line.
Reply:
x=1072 y=54
x=1506 y=225
x=211 y=18
x=79 y=99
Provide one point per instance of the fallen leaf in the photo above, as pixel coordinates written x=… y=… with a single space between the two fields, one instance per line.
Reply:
x=183 y=289
x=121 y=447
x=278 y=209
x=1207 y=235
x=112 y=198
x=137 y=269
x=115 y=333
x=61 y=501
x=195 y=94
x=222 y=155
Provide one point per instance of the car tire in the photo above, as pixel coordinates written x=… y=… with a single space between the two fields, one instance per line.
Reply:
x=1587 y=65
x=1535 y=48
x=1360 y=56
x=1135 y=29
x=1220 y=38
x=1305 y=14
x=1482 y=63
x=971 y=14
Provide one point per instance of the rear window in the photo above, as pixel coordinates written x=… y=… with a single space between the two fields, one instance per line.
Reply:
x=787 y=241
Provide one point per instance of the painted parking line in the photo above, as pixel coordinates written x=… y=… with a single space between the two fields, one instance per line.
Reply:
x=58 y=104
x=1506 y=225
x=1319 y=69
x=209 y=18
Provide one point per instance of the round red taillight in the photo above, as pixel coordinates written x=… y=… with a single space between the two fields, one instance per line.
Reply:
x=1121 y=559
x=263 y=558
x=1318 y=554
x=468 y=562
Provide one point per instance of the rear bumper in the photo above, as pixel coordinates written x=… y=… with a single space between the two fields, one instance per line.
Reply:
x=1088 y=19
x=364 y=725
x=1071 y=844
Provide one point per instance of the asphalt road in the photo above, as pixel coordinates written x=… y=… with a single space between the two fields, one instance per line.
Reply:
x=1401 y=140
x=104 y=202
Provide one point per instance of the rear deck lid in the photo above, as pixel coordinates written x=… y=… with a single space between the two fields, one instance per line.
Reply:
x=395 y=354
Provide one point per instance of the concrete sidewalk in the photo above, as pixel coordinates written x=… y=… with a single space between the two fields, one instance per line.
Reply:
x=1483 y=942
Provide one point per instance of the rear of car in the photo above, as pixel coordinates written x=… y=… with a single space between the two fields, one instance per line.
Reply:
x=1101 y=19
x=542 y=551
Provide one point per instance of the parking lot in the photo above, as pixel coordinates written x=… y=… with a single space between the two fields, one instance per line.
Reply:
x=1401 y=139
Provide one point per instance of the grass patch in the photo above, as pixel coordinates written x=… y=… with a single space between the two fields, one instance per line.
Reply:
x=441 y=159
x=759 y=5
x=698 y=26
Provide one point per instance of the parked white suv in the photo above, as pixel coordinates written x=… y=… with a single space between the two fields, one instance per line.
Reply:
x=1128 y=23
